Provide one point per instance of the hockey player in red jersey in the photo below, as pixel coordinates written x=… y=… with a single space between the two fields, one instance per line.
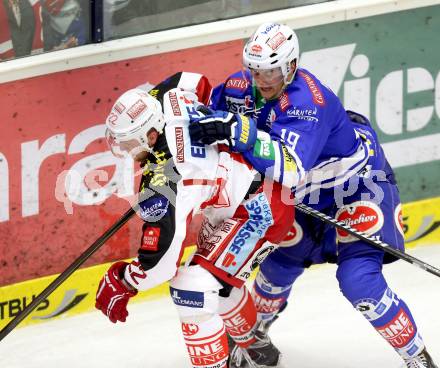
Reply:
x=244 y=217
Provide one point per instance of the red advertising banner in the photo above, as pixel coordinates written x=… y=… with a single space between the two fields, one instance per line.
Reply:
x=60 y=187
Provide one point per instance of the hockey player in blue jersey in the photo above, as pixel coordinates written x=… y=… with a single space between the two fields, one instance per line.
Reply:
x=301 y=135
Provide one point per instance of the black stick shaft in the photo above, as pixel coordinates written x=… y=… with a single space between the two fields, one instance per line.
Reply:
x=374 y=242
x=66 y=273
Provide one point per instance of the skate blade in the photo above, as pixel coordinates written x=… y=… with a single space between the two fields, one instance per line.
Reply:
x=279 y=365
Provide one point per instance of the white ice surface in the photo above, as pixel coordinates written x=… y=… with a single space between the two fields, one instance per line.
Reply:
x=318 y=329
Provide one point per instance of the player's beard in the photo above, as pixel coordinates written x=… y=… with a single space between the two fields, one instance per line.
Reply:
x=141 y=156
x=140 y=153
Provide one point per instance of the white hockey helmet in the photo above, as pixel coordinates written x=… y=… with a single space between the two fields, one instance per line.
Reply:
x=272 y=46
x=132 y=116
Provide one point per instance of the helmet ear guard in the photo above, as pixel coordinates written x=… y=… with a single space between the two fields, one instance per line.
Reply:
x=287 y=68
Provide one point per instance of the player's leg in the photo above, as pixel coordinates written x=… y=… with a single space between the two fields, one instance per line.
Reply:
x=277 y=274
x=271 y=289
x=239 y=315
x=231 y=251
x=362 y=282
x=206 y=309
x=249 y=344
x=273 y=285
x=195 y=293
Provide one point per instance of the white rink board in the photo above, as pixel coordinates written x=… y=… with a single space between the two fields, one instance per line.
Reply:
x=198 y=35
x=318 y=329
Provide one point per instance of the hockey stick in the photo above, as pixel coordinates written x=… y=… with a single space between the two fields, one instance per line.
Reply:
x=66 y=273
x=366 y=238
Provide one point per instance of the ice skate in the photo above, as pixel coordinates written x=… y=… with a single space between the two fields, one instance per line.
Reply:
x=423 y=360
x=261 y=354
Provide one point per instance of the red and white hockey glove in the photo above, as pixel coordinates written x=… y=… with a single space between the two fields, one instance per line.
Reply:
x=113 y=295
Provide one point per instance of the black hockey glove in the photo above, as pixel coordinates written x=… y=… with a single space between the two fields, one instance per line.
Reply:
x=238 y=131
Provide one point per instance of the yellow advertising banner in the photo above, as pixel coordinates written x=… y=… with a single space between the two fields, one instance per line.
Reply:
x=421 y=222
x=76 y=295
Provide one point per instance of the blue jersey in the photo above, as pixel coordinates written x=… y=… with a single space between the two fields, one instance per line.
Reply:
x=311 y=141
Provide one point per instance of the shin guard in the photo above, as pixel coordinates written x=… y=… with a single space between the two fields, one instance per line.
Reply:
x=240 y=316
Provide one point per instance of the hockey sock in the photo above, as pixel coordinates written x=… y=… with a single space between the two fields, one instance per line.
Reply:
x=207 y=343
x=269 y=299
x=393 y=320
x=362 y=283
x=240 y=316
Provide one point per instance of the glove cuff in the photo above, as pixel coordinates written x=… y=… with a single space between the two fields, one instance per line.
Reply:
x=243 y=133
x=118 y=270
x=130 y=289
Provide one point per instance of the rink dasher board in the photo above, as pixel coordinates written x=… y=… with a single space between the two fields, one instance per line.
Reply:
x=421 y=223
x=76 y=295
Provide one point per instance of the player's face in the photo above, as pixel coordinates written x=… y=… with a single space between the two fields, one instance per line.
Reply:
x=270 y=82
x=131 y=147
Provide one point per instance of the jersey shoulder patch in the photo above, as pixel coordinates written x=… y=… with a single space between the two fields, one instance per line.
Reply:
x=314 y=87
x=237 y=84
x=179 y=105
x=160 y=89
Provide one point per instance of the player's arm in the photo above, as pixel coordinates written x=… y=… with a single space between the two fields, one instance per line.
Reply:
x=218 y=101
x=236 y=130
x=290 y=151
x=190 y=82
x=159 y=253
x=275 y=160
x=236 y=84
x=159 y=247
x=269 y=155
x=285 y=155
